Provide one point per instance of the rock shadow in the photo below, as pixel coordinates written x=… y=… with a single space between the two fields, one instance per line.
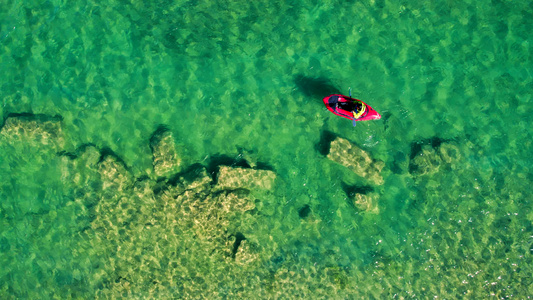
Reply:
x=32 y=117
x=223 y=160
x=216 y=161
x=416 y=147
x=239 y=237
x=157 y=135
x=397 y=165
x=191 y=173
x=323 y=146
x=351 y=190
x=107 y=152
x=80 y=150
x=304 y=211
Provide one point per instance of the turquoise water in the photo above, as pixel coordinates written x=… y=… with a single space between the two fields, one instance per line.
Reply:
x=236 y=81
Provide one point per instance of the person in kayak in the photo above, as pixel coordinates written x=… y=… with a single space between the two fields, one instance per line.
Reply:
x=355 y=108
x=350 y=108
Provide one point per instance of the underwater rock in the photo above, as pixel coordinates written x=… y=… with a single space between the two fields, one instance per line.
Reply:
x=230 y=178
x=430 y=159
x=235 y=201
x=114 y=175
x=165 y=157
x=426 y=162
x=80 y=171
x=249 y=156
x=245 y=254
x=89 y=157
x=449 y=152
x=143 y=190
x=42 y=129
x=204 y=219
x=199 y=186
x=367 y=202
x=201 y=181
x=356 y=159
x=193 y=188
x=77 y=165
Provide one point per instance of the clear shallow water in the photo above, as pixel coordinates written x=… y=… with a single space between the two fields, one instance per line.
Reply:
x=231 y=80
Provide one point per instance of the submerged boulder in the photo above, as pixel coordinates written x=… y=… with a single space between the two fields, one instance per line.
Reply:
x=42 y=129
x=429 y=160
x=367 y=202
x=246 y=254
x=449 y=152
x=165 y=157
x=115 y=177
x=79 y=171
x=426 y=162
x=195 y=185
x=249 y=156
x=356 y=159
x=230 y=178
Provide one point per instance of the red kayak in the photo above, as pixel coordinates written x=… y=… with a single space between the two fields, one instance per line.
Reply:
x=350 y=108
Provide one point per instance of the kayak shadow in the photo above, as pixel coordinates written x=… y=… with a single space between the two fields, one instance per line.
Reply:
x=314 y=87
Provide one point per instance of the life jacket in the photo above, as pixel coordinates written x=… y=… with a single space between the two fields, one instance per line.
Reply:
x=358 y=114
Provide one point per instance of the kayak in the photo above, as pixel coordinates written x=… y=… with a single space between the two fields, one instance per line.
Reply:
x=350 y=108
